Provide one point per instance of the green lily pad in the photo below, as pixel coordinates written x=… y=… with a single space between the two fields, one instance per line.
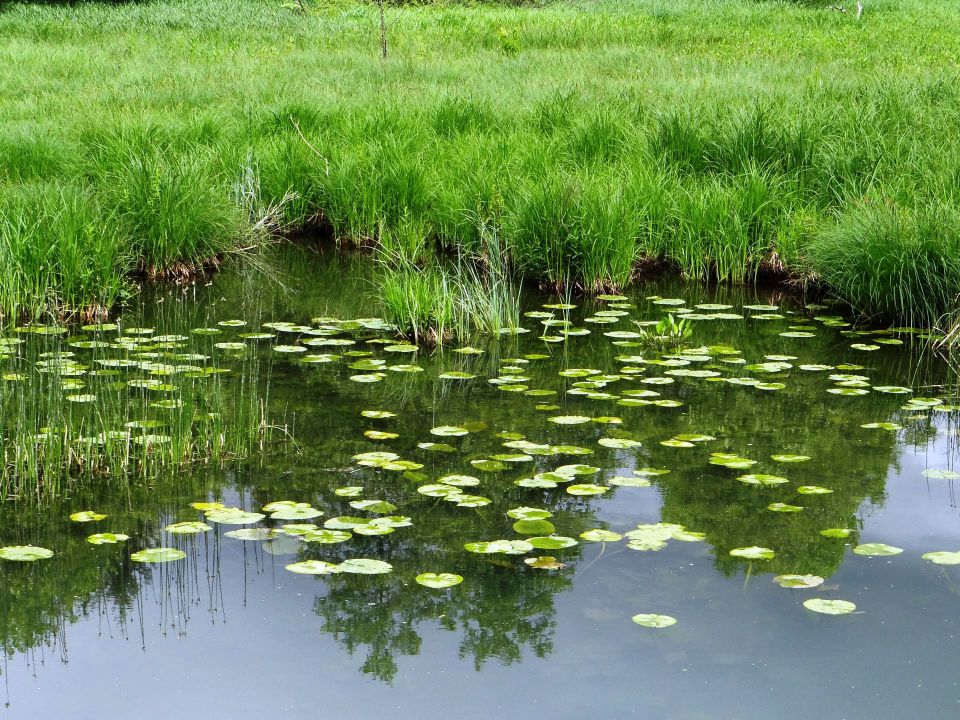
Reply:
x=365 y=566
x=569 y=419
x=86 y=516
x=600 y=535
x=621 y=481
x=837 y=532
x=158 y=555
x=813 y=490
x=107 y=538
x=798 y=581
x=877 y=549
x=24 y=553
x=506 y=547
x=943 y=557
x=374 y=506
x=295 y=511
x=882 y=426
x=297 y=529
x=786 y=458
x=439 y=580
x=586 y=489
x=829 y=607
x=533 y=527
x=762 y=479
x=529 y=513
x=753 y=553
x=784 y=507
x=313 y=567
x=254 y=534
x=190 y=527
x=552 y=542
x=544 y=562
x=652 y=620
x=448 y=431
x=939 y=474
x=326 y=536
x=233 y=516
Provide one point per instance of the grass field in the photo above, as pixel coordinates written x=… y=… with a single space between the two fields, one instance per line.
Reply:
x=728 y=138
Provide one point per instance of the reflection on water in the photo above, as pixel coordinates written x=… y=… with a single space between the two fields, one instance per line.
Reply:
x=229 y=624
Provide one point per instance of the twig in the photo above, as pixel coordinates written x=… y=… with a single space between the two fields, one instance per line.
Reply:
x=326 y=162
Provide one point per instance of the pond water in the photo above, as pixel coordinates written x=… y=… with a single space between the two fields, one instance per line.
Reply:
x=229 y=631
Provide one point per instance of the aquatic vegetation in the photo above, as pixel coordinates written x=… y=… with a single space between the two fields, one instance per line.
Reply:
x=878 y=549
x=158 y=555
x=829 y=607
x=798 y=581
x=556 y=502
x=652 y=620
x=24 y=553
x=438 y=580
x=160 y=400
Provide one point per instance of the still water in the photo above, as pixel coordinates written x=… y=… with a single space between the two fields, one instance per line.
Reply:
x=229 y=632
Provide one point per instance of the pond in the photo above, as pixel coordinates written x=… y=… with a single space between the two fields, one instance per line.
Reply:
x=612 y=529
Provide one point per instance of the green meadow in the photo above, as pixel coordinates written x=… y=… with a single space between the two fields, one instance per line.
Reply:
x=577 y=144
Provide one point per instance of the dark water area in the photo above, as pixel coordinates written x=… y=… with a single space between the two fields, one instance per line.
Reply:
x=228 y=631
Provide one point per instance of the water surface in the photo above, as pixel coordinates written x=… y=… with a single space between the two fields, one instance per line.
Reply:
x=229 y=632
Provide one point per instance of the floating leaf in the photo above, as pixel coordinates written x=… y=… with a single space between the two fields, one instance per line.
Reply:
x=829 y=607
x=552 y=542
x=85 y=516
x=939 y=474
x=837 y=532
x=507 y=547
x=449 y=431
x=569 y=419
x=761 y=479
x=189 y=527
x=619 y=443
x=943 y=557
x=813 y=490
x=233 y=516
x=374 y=506
x=544 y=562
x=365 y=566
x=349 y=491
x=882 y=426
x=488 y=465
x=784 y=507
x=158 y=555
x=753 y=553
x=877 y=549
x=533 y=527
x=586 y=489
x=439 y=580
x=205 y=506
x=784 y=458
x=24 y=553
x=297 y=529
x=295 y=511
x=313 y=567
x=652 y=620
x=798 y=581
x=252 y=534
x=529 y=513
x=600 y=535
x=107 y=538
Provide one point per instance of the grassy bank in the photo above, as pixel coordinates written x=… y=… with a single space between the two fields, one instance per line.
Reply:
x=729 y=138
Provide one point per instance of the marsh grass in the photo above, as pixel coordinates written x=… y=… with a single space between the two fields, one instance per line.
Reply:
x=125 y=433
x=731 y=139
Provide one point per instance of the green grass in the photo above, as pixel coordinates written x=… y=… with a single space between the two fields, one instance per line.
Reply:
x=730 y=139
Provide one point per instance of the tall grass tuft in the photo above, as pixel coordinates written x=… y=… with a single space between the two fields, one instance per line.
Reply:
x=899 y=263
